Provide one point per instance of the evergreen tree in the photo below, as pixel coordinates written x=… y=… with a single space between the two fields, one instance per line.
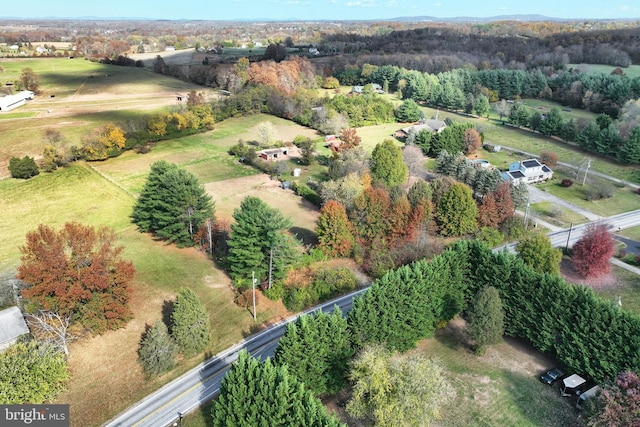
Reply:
x=588 y=137
x=486 y=319
x=24 y=168
x=630 y=150
x=552 y=123
x=172 y=204
x=257 y=230
x=408 y=111
x=316 y=348
x=157 y=351
x=481 y=105
x=519 y=115
x=457 y=212
x=387 y=164
x=537 y=252
x=264 y=394
x=334 y=230
x=190 y=326
x=30 y=373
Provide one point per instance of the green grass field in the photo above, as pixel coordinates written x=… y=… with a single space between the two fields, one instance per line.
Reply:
x=632 y=71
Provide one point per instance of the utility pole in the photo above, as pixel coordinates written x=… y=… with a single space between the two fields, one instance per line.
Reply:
x=566 y=248
x=270 y=265
x=586 y=171
x=253 y=286
x=526 y=216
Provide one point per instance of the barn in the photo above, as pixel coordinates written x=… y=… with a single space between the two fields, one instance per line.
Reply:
x=10 y=102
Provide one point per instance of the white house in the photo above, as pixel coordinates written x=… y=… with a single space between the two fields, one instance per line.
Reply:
x=528 y=171
x=12 y=326
x=10 y=102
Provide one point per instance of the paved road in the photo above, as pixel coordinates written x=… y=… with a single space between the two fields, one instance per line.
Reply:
x=201 y=384
x=536 y=195
x=571 y=235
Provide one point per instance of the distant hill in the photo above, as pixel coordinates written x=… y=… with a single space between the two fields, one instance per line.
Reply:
x=528 y=18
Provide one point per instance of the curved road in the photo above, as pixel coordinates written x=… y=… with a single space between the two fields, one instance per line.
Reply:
x=202 y=383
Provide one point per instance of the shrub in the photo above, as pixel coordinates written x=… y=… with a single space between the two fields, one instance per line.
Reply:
x=600 y=190
x=24 y=168
x=566 y=183
x=306 y=192
x=548 y=158
x=297 y=299
x=328 y=282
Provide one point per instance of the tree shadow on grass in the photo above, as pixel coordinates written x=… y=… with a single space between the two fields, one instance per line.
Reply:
x=253 y=329
x=307 y=236
x=167 y=309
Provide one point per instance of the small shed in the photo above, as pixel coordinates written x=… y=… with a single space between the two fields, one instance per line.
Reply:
x=12 y=326
x=571 y=385
x=273 y=154
x=586 y=396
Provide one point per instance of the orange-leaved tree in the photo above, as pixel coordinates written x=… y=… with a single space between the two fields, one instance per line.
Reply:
x=334 y=230
x=77 y=271
x=591 y=254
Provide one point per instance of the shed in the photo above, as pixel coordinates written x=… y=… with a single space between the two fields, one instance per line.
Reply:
x=273 y=154
x=12 y=326
x=586 y=396
x=571 y=385
x=10 y=102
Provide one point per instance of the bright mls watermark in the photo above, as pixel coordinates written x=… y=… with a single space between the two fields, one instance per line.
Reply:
x=34 y=415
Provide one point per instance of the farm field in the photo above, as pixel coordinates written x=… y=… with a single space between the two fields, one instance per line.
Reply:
x=632 y=71
x=103 y=193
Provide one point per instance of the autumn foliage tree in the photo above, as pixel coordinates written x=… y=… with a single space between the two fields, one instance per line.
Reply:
x=472 y=141
x=107 y=141
x=592 y=252
x=349 y=139
x=334 y=230
x=618 y=404
x=77 y=271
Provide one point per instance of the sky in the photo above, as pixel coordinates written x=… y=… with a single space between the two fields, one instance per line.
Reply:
x=319 y=9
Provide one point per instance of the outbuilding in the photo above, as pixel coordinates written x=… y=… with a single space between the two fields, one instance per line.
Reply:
x=10 y=102
x=12 y=326
x=571 y=385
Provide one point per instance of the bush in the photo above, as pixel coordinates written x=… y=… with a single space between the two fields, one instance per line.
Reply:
x=297 y=299
x=24 y=168
x=548 y=158
x=330 y=282
x=306 y=192
x=566 y=183
x=599 y=191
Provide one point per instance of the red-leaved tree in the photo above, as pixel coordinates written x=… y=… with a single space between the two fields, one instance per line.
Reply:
x=591 y=254
x=334 y=230
x=78 y=272
x=618 y=404
x=488 y=215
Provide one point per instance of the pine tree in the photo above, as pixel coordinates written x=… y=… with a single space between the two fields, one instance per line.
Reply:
x=190 y=327
x=630 y=150
x=486 y=319
x=257 y=231
x=264 y=394
x=316 y=348
x=173 y=204
x=157 y=351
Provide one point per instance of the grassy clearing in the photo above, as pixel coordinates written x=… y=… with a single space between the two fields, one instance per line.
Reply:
x=72 y=194
x=543 y=106
x=631 y=233
x=627 y=288
x=556 y=215
x=625 y=199
x=631 y=71
x=499 y=388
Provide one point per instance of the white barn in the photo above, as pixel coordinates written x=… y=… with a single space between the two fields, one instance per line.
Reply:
x=10 y=102
x=12 y=326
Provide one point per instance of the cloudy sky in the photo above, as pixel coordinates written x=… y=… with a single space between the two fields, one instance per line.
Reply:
x=318 y=9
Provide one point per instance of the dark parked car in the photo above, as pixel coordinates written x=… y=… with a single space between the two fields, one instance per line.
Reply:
x=551 y=376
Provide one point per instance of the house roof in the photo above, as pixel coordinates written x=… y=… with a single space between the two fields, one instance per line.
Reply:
x=432 y=125
x=12 y=324
x=545 y=168
x=531 y=163
x=516 y=174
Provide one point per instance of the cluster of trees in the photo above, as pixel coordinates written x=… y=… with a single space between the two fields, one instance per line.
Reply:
x=618 y=139
x=23 y=168
x=189 y=334
x=174 y=206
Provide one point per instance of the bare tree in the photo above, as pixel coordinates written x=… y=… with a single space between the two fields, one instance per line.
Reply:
x=415 y=160
x=51 y=328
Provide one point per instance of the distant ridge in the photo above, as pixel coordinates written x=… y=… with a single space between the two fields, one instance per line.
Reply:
x=525 y=18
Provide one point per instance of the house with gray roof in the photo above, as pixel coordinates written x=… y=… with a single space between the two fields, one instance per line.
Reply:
x=12 y=326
